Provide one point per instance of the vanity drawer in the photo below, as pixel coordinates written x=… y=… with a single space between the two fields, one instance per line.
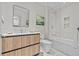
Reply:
x=25 y=40
x=7 y=44
x=35 y=39
x=9 y=53
x=17 y=52
x=35 y=49
x=16 y=42
x=26 y=51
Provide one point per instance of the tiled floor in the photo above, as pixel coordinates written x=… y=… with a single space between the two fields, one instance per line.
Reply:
x=53 y=52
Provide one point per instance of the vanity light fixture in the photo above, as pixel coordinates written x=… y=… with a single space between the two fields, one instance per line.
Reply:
x=2 y=20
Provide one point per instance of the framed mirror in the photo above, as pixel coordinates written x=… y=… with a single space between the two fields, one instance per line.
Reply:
x=20 y=16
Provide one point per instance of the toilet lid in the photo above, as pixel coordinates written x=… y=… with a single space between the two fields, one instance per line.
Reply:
x=46 y=41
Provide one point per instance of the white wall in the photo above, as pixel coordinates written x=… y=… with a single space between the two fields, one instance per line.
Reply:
x=71 y=11
x=0 y=31
x=51 y=23
x=70 y=33
x=0 y=17
x=7 y=12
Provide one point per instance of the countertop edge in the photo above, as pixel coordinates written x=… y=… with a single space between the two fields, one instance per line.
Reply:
x=20 y=35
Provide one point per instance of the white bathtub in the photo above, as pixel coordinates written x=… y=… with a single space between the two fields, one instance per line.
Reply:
x=64 y=41
x=46 y=45
x=66 y=46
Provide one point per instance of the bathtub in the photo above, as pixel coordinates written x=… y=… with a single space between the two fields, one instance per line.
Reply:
x=46 y=45
x=65 y=46
x=64 y=41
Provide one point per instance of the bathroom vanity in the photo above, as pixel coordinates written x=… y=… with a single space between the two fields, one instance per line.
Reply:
x=26 y=44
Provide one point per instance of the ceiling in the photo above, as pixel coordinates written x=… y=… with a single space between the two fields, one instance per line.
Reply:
x=53 y=5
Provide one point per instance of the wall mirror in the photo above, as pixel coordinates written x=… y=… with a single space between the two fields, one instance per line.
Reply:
x=20 y=16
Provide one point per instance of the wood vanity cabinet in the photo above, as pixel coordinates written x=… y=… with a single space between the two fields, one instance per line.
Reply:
x=23 y=45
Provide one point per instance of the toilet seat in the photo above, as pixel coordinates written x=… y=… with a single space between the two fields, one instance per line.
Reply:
x=46 y=41
x=46 y=45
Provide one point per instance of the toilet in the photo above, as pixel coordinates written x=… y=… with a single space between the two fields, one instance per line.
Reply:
x=46 y=45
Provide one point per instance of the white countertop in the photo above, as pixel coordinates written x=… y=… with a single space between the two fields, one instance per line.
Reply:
x=16 y=34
